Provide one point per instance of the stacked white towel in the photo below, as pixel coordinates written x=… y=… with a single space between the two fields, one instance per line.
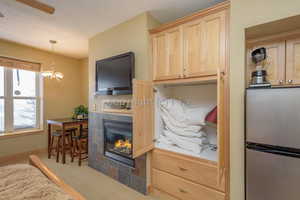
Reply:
x=183 y=125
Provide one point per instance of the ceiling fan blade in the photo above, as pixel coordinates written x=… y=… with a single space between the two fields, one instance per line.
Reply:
x=38 y=5
x=1 y=15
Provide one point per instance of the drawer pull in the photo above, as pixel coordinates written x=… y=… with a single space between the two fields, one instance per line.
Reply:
x=182 y=191
x=182 y=169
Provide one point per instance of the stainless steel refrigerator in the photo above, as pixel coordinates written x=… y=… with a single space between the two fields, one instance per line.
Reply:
x=273 y=144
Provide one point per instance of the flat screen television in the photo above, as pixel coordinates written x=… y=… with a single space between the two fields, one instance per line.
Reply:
x=114 y=75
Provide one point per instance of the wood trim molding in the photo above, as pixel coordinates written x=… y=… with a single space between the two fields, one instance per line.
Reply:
x=4 y=136
x=198 y=80
x=273 y=38
x=186 y=157
x=207 y=11
x=18 y=156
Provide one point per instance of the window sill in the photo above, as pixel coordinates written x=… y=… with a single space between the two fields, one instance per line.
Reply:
x=21 y=133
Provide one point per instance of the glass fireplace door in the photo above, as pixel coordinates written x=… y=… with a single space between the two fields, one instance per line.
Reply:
x=118 y=140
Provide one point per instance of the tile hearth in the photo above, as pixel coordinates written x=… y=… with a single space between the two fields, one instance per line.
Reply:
x=134 y=178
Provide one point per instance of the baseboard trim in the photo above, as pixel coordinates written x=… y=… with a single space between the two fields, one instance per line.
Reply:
x=19 y=156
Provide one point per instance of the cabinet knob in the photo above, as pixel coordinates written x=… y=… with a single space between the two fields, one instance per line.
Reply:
x=290 y=81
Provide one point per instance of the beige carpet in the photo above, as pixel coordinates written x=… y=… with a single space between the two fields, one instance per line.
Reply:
x=90 y=183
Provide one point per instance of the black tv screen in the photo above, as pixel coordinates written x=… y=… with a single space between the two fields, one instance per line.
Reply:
x=114 y=75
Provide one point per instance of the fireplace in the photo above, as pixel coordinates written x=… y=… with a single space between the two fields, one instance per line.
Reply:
x=118 y=141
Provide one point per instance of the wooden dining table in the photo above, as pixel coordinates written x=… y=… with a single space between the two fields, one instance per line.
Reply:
x=64 y=123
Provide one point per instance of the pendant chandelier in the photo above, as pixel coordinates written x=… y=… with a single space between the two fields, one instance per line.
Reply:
x=52 y=74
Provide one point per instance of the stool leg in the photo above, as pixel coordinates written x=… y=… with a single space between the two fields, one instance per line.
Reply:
x=87 y=146
x=70 y=145
x=73 y=151
x=51 y=146
x=58 y=149
x=80 y=152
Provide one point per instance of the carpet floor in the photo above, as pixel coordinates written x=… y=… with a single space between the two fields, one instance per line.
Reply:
x=92 y=184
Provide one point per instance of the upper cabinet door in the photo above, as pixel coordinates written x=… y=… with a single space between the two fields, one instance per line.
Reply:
x=143 y=117
x=293 y=62
x=167 y=55
x=213 y=43
x=275 y=62
x=192 y=38
x=175 y=50
x=159 y=47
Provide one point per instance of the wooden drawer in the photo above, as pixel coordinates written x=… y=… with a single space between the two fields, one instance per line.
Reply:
x=183 y=189
x=201 y=172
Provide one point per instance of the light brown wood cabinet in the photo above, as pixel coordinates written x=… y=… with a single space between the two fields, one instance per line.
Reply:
x=167 y=51
x=283 y=61
x=293 y=62
x=184 y=189
x=187 y=167
x=142 y=116
x=213 y=43
x=192 y=49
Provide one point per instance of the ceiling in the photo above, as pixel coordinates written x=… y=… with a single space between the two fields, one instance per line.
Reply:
x=75 y=21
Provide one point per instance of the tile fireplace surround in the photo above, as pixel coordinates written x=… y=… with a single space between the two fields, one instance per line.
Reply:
x=134 y=178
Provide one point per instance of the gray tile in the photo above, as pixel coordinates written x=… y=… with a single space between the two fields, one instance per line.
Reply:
x=135 y=179
x=124 y=177
x=138 y=183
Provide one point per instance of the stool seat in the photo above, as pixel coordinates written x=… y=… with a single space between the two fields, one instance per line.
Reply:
x=59 y=133
x=67 y=132
x=71 y=129
x=80 y=136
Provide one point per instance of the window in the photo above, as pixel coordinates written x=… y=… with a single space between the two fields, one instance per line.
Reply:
x=20 y=98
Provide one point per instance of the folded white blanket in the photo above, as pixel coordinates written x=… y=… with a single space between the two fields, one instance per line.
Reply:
x=183 y=125
x=186 y=114
x=178 y=126
x=163 y=139
x=195 y=115
x=196 y=140
x=180 y=142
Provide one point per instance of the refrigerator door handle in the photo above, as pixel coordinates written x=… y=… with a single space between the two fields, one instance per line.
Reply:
x=274 y=150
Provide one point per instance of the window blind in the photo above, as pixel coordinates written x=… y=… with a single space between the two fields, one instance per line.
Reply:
x=19 y=64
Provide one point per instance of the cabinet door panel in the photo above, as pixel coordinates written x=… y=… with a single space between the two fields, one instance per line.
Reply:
x=143 y=116
x=293 y=62
x=167 y=55
x=213 y=43
x=192 y=33
x=275 y=62
x=174 y=62
x=160 y=56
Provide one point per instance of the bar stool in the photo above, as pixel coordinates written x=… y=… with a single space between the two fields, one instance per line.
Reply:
x=80 y=145
x=57 y=135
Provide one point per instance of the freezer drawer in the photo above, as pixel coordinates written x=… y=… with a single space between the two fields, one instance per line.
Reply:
x=273 y=116
x=271 y=177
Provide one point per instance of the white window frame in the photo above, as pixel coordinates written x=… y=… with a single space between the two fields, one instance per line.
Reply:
x=9 y=102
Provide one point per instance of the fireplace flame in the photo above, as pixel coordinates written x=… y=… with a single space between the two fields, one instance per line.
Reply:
x=123 y=144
